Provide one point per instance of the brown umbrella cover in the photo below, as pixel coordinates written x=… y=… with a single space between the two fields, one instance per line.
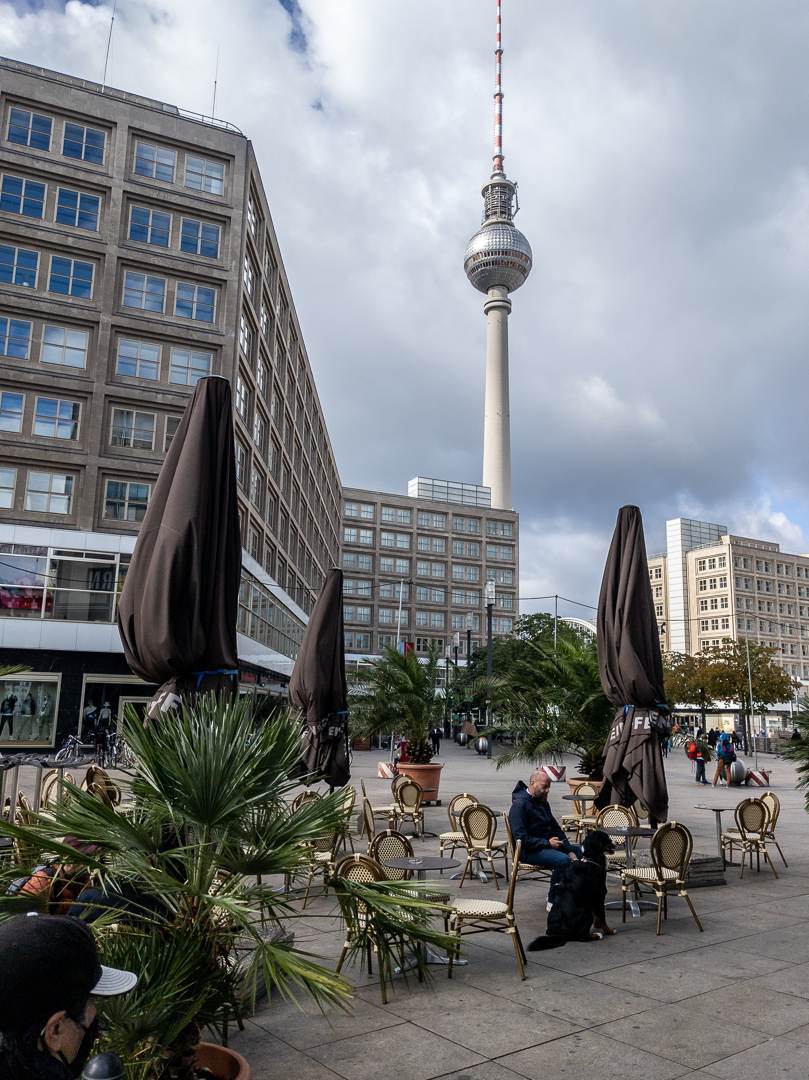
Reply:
x=318 y=688
x=178 y=606
x=631 y=669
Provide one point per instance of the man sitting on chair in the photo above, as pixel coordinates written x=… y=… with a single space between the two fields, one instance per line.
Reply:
x=544 y=842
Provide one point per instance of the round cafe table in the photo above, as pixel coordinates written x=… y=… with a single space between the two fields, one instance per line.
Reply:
x=719 y=811
x=421 y=865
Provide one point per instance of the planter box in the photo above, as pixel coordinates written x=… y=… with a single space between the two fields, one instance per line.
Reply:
x=362 y=744
x=428 y=776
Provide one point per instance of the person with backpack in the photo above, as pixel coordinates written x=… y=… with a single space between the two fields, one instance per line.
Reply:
x=696 y=755
x=725 y=756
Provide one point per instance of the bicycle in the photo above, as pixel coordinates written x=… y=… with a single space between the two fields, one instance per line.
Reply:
x=72 y=750
x=118 y=753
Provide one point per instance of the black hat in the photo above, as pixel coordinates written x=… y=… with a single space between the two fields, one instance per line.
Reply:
x=49 y=963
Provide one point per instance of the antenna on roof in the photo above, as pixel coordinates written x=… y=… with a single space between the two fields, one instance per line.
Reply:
x=215 y=80
x=109 y=43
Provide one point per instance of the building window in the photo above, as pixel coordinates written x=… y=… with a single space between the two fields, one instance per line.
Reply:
x=349 y=561
x=241 y=463
x=134 y=430
x=21 y=196
x=84 y=143
x=30 y=129
x=351 y=510
x=251 y=215
x=242 y=397
x=349 y=536
x=156 y=162
x=172 y=423
x=149 y=226
x=15 y=338
x=245 y=336
x=200 y=238
x=366 y=562
x=366 y=536
x=71 y=277
x=388 y=539
x=49 y=493
x=18 y=266
x=125 y=501
x=259 y=431
x=144 y=292
x=11 y=411
x=248 y=275
x=367 y=511
x=57 y=419
x=7 y=478
x=422 y=618
x=204 y=175
x=505 y=601
x=258 y=485
x=261 y=376
x=78 y=209
x=195 y=302
x=138 y=359
x=187 y=367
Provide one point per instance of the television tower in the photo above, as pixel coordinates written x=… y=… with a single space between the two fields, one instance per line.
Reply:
x=497 y=261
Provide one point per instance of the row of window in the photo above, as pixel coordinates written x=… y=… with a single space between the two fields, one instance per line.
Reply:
x=392 y=616
x=68 y=347
x=434 y=544
x=763 y=585
x=714 y=604
x=387 y=565
x=361 y=642
x=74 y=277
x=717 y=562
x=59 y=418
x=426 y=519
x=765 y=566
x=706 y=584
x=27 y=197
x=53 y=493
x=84 y=143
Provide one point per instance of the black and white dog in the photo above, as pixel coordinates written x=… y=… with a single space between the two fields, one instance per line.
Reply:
x=578 y=910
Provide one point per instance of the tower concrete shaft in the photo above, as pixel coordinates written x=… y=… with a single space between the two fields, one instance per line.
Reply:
x=497 y=418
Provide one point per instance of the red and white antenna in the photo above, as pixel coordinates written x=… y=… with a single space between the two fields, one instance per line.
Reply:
x=498 y=99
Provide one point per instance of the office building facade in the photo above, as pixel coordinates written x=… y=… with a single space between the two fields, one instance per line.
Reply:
x=137 y=255
x=415 y=565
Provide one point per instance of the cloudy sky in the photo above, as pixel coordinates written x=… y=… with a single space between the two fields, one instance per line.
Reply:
x=659 y=347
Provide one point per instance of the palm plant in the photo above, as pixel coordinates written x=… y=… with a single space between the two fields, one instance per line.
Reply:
x=556 y=704
x=399 y=696
x=208 y=823
x=797 y=750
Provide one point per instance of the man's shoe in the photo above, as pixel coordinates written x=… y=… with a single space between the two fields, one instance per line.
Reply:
x=548 y=906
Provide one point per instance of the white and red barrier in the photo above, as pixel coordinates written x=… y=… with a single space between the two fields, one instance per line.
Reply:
x=758 y=778
x=554 y=772
x=384 y=770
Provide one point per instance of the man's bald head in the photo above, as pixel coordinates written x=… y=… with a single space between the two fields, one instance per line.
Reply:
x=539 y=784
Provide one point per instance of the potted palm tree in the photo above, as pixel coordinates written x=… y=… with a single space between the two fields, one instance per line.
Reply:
x=185 y=898
x=399 y=696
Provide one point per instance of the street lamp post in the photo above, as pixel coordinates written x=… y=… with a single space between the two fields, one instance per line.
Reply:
x=490 y=598
x=750 y=686
x=399 y=617
x=470 y=622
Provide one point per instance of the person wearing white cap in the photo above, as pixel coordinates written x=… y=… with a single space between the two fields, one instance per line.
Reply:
x=49 y=971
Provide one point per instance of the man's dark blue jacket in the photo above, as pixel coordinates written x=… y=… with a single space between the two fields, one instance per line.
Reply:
x=532 y=822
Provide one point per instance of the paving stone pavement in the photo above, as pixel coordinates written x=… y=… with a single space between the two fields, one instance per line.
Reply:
x=732 y=1002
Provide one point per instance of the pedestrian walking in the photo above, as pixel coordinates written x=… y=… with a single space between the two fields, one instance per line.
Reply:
x=436 y=735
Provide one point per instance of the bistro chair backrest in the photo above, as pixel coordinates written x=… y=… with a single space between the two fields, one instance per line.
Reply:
x=641 y=813
x=515 y=867
x=390 y=844
x=349 y=798
x=752 y=816
x=456 y=804
x=616 y=817
x=397 y=782
x=671 y=848
x=368 y=819
x=362 y=870
x=478 y=824
x=584 y=789
x=773 y=804
x=302 y=797
x=510 y=835
x=410 y=795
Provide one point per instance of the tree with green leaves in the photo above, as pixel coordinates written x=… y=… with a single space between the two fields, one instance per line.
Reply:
x=399 y=695
x=797 y=750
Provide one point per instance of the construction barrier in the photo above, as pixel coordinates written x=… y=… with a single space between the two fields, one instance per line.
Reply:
x=554 y=772
x=758 y=778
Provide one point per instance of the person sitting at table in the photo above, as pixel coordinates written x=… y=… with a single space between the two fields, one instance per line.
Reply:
x=544 y=841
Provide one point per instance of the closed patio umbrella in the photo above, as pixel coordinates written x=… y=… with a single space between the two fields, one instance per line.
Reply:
x=631 y=669
x=178 y=606
x=318 y=688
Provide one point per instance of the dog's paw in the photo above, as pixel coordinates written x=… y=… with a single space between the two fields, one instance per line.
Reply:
x=596 y=935
x=606 y=929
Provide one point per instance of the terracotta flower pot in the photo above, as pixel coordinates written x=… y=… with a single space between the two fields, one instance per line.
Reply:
x=428 y=776
x=223 y=1062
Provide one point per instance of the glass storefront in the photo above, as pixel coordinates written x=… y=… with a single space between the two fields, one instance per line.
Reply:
x=28 y=708
x=52 y=583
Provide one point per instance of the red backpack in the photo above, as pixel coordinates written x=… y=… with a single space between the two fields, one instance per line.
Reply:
x=691 y=750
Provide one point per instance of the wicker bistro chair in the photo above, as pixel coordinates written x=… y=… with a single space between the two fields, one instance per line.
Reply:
x=750 y=834
x=388 y=812
x=324 y=855
x=396 y=783
x=526 y=871
x=454 y=838
x=671 y=848
x=302 y=797
x=773 y=804
x=617 y=817
x=481 y=916
x=347 y=807
x=408 y=798
x=478 y=825
x=394 y=845
x=362 y=869
x=579 y=821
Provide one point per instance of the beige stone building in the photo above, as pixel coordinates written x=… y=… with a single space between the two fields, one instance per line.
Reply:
x=415 y=565
x=711 y=586
x=137 y=255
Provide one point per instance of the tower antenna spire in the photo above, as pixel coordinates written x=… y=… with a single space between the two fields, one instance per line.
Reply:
x=498 y=97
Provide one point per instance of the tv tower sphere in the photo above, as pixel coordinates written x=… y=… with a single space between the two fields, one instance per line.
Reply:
x=498 y=254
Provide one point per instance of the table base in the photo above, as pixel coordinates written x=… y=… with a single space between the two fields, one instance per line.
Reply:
x=479 y=874
x=634 y=906
x=429 y=957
